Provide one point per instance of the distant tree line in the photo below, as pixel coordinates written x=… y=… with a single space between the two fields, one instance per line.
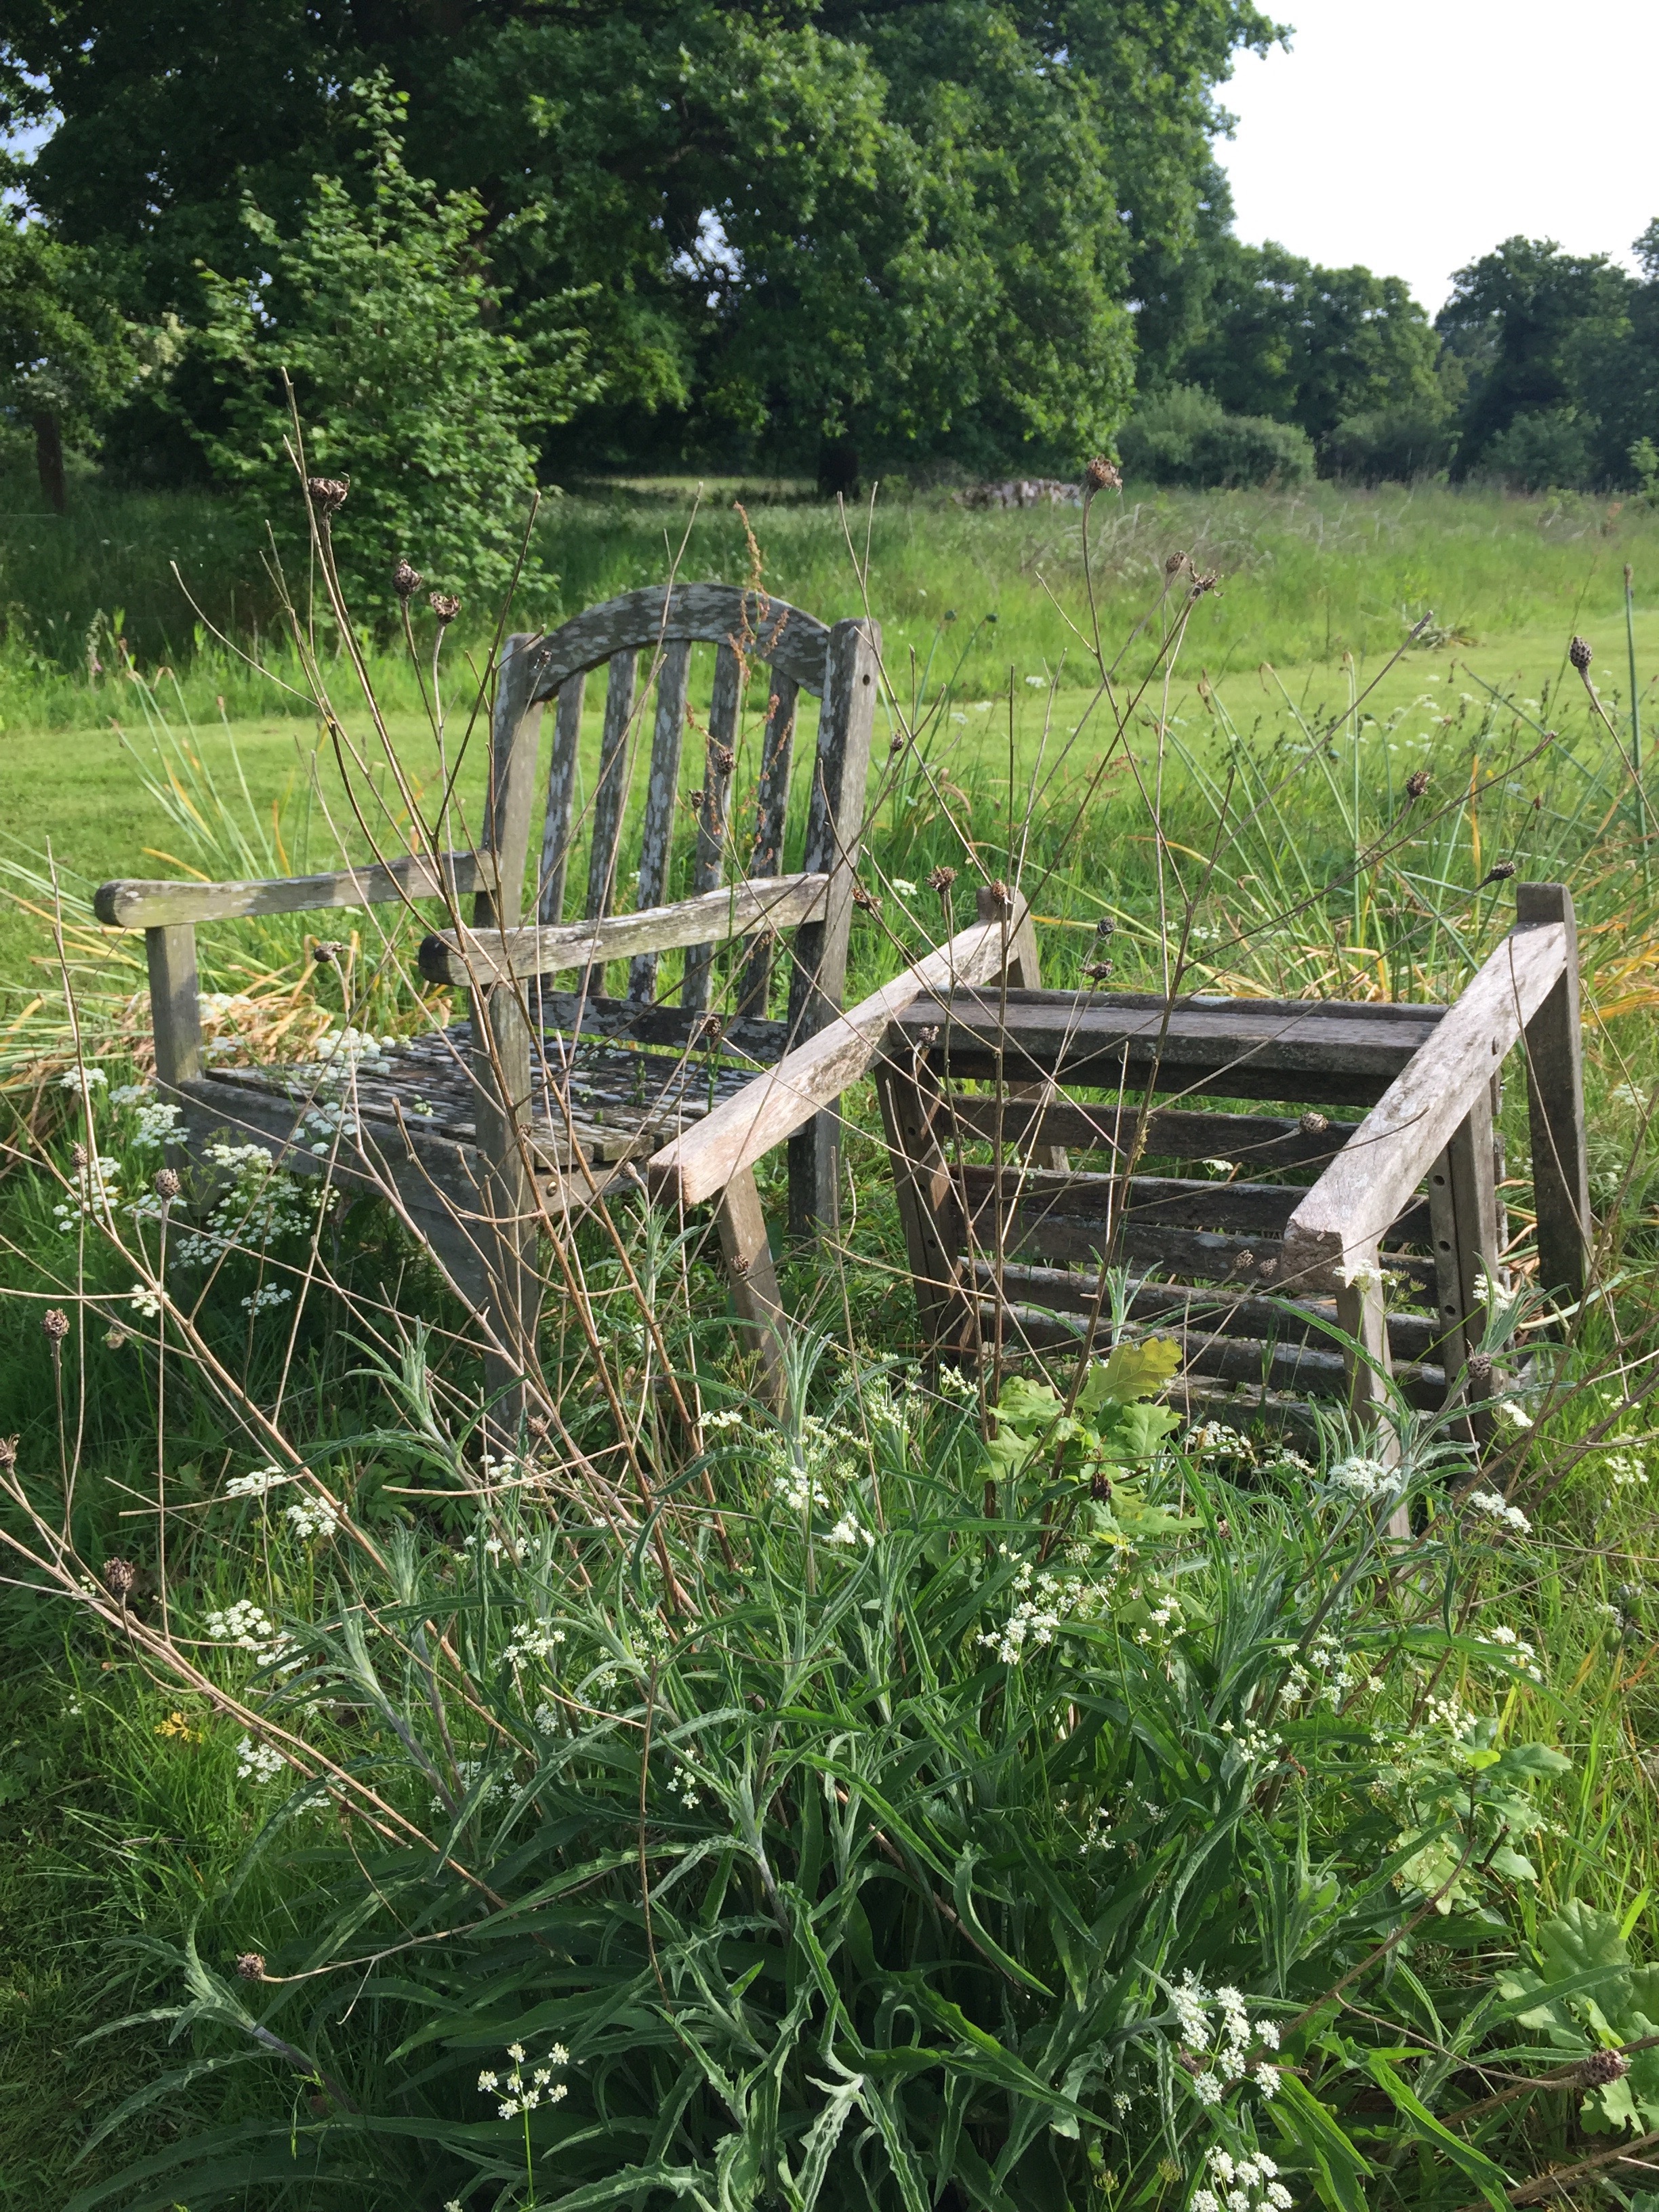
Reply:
x=464 y=243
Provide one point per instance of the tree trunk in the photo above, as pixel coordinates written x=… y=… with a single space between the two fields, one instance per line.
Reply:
x=49 y=459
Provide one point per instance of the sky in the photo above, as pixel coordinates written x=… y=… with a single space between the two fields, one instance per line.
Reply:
x=1413 y=136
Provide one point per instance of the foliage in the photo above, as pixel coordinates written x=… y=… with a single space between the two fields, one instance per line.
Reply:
x=944 y=1837
x=65 y=355
x=1312 y=346
x=1391 y=445
x=1184 y=436
x=404 y=379
x=901 y=225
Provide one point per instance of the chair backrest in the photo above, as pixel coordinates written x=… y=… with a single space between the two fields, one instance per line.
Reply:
x=648 y=636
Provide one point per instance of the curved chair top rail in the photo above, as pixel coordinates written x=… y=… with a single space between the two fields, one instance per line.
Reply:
x=771 y=631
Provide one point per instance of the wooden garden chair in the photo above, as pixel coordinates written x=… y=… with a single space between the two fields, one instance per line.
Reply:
x=545 y=1100
x=1309 y=1218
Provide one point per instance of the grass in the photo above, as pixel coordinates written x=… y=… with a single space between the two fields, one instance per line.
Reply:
x=123 y=1824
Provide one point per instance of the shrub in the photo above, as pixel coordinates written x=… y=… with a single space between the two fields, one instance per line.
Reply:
x=1390 y=445
x=406 y=380
x=1547 y=449
x=1184 y=437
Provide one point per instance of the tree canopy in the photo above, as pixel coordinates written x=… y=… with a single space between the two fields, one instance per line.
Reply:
x=916 y=224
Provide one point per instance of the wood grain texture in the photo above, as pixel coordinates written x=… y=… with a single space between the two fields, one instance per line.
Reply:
x=812 y=1076
x=1555 y=1105
x=834 y=830
x=719 y=758
x=739 y=1036
x=1242 y=1048
x=930 y=1212
x=662 y=791
x=771 y=818
x=175 y=1003
x=1173 y=1133
x=1211 y=1310
x=687 y=614
x=1351 y=1206
x=1181 y=1201
x=140 y=904
x=557 y=824
x=489 y=956
x=754 y=1281
x=510 y=795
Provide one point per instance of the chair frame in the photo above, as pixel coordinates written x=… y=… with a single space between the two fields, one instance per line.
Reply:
x=483 y=1226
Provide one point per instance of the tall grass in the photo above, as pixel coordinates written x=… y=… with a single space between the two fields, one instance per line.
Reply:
x=1308 y=578
x=969 y=1791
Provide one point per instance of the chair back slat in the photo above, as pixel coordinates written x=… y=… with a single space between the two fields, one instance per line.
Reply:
x=771 y=815
x=673 y=677
x=610 y=792
x=719 y=760
x=561 y=791
x=515 y=724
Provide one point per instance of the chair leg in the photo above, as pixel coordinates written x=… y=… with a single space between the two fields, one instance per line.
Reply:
x=1555 y=1109
x=1024 y=973
x=754 y=1280
x=1360 y=1312
x=929 y=1210
x=1463 y=1213
x=506 y=1231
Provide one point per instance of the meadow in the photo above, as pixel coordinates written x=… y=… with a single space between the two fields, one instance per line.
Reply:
x=943 y=1904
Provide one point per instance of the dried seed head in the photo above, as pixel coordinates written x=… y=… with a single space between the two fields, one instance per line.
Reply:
x=445 y=605
x=940 y=880
x=115 y=1337
x=996 y=895
x=720 y=757
x=8 y=1451
x=78 y=1154
x=1500 y=872
x=1580 y=654
x=1602 y=2067
x=1098 y=970
x=1417 y=783
x=1314 y=1125
x=538 y=1424
x=1101 y=476
x=326 y=949
x=251 y=1966
x=55 y=1322
x=1105 y=926
x=1205 y=581
x=1268 y=1268
x=119 y=1576
x=865 y=899
x=713 y=1027
x=327 y=494
x=1481 y=1371
x=168 y=1185
x=1100 y=1487
x=1245 y=1262
x=1174 y=564
x=405 y=580
x=899 y=742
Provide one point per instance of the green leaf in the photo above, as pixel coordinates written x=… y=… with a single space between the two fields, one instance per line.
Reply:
x=1473 y=2165
x=1340 y=2171
x=1131 y=1372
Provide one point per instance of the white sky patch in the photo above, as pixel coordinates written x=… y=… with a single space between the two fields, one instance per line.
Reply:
x=1412 y=137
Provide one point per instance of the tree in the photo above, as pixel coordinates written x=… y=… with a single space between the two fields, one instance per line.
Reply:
x=404 y=379
x=64 y=353
x=1533 y=325
x=1308 y=346
x=914 y=224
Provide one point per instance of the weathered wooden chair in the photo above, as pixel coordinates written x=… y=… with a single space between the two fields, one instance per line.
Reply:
x=544 y=1100
x=1301 y=1223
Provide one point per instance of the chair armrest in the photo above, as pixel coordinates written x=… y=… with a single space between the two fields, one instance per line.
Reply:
x=135 y=904
x=472 y=957
x=785 y=1098
x=1339 y=1222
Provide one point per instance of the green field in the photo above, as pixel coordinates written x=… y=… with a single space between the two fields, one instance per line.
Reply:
x=1284 y=848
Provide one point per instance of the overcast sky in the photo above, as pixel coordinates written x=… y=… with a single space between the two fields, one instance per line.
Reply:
x=1412 y=136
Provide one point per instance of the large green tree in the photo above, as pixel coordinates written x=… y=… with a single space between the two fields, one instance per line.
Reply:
x=1536 y=330
x=1285 y=338
x=916 y=224
x=65 y=355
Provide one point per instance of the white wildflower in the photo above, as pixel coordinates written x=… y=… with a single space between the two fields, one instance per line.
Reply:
x=258 y=1762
